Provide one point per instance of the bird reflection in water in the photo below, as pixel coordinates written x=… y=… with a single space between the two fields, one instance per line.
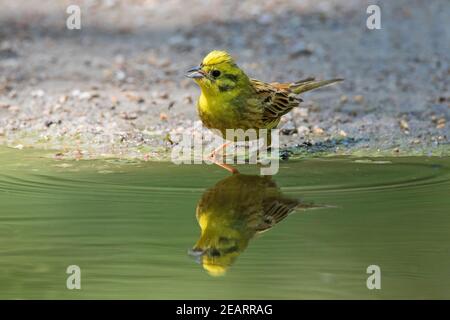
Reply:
x=232 y=212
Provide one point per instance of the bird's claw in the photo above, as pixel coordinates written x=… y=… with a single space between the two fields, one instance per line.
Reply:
x=213 y=158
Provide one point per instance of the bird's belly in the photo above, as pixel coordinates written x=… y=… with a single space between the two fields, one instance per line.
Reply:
x=246 y=133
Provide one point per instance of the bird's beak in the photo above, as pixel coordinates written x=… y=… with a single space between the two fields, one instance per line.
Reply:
x=195 y=73
x=196 y=254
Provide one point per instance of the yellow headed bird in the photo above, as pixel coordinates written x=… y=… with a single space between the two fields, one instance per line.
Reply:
x=233 y=212
x=231 y=100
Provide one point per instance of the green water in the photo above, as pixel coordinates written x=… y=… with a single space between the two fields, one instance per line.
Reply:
x=129 y=226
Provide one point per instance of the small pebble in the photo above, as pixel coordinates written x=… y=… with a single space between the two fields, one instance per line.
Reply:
x=301 y=112
x=133 y=96
x=13 y=108
x=37 y=93
x=403 y=124
x=128 y=116
x=120 y=75
x=302 y=130
x=358 y=99
x=163 y=95
x=63 y=99
x=188 y=99
x=300 y=49
x=441 y=123
x=86 y=95
x=114 y=100
x=318 y=131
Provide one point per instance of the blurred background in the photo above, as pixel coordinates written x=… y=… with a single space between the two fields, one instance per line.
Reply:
x=117 y=85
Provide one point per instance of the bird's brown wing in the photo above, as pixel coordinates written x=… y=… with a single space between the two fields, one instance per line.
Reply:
x=275 y=210
x=276 y=100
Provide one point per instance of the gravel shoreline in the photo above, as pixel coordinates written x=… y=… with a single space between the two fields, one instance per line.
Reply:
x=116 y=87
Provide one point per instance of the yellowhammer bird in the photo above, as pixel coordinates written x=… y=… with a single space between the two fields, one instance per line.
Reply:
x=232 y=212
x=231 y=100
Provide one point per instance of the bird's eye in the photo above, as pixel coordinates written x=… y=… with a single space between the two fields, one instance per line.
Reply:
x=215 y=73
x=213 y=252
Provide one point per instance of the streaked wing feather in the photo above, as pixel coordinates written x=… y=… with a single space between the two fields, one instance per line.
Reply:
x=276 y=99
x=275 y=210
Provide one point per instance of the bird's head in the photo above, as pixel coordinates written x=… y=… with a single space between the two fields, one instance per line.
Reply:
x=218 y=248
x=218 y=73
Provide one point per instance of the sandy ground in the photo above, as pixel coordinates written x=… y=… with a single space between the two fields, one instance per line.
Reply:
x=116 y=87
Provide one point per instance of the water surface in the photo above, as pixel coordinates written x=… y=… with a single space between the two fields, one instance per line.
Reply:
x=129 y=226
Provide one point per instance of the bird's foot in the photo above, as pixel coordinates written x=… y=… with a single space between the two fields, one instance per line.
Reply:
x=214 y=159
x=228 y=167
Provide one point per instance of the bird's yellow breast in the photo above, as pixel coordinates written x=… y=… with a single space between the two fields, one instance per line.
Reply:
x=217 y=113
x=229 y=112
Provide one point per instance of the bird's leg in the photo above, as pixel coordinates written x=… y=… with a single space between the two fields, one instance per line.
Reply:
x=227 y=167
x=220 y=148
x=214 y=159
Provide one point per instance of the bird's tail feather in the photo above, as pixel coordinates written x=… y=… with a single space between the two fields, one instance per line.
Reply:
x=310 y=84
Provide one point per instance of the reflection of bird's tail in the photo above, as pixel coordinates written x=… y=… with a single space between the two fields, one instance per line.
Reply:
x=311 y=205
x=310 y=84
